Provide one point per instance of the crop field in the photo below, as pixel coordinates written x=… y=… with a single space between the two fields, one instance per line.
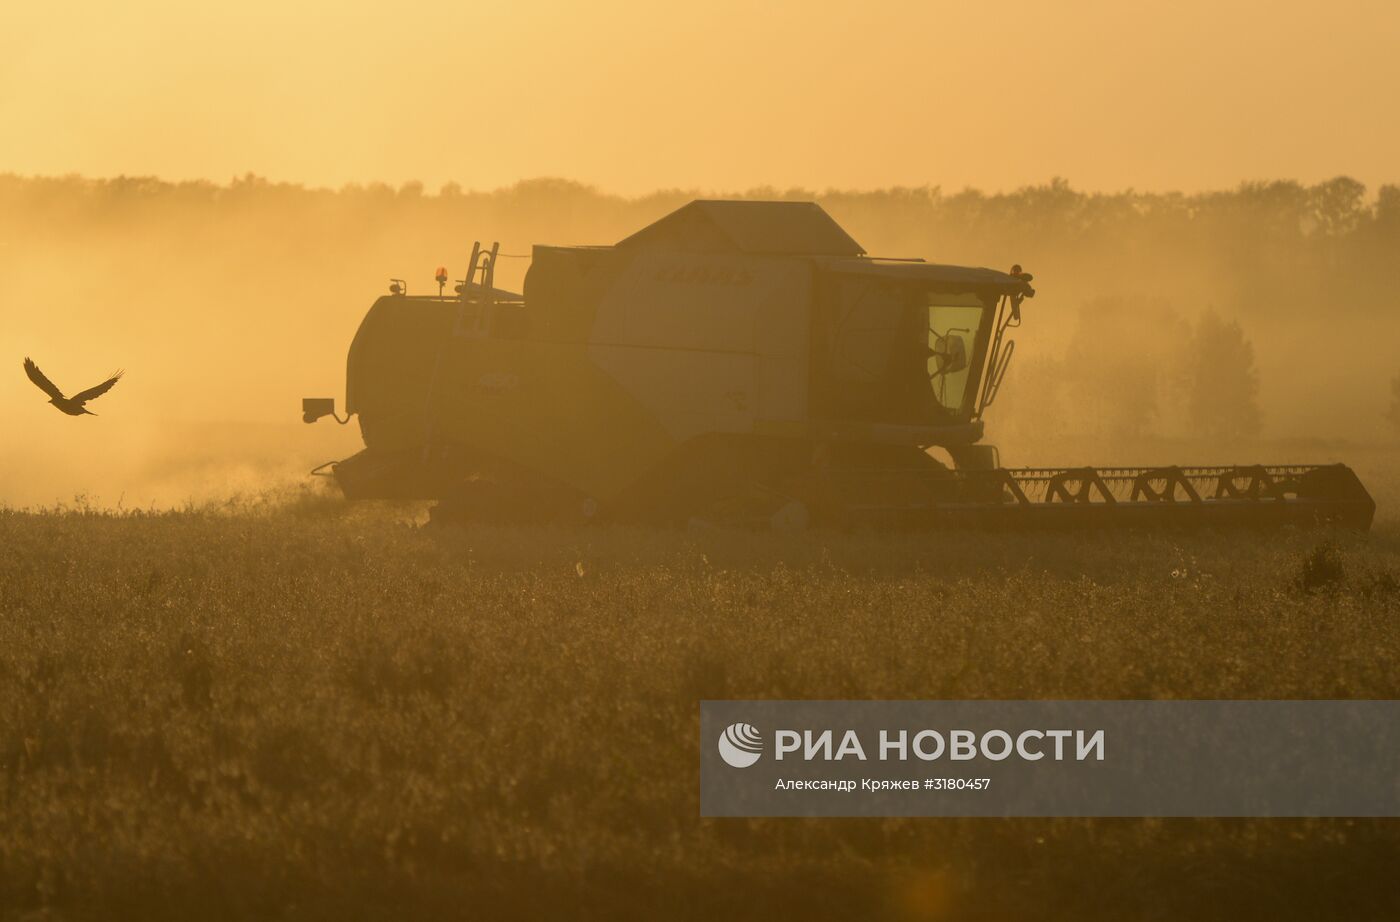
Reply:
x=294 y=708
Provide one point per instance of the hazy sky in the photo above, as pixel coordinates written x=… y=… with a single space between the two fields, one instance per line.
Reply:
x=716 y=95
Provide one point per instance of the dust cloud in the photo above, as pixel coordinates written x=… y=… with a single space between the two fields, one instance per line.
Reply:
x=1257 y=322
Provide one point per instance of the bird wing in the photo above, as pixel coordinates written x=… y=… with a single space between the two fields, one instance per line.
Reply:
x=43 y=383
x=99 y=390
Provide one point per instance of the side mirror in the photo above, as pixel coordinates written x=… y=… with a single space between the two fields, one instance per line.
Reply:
x=313 y=408
x=949 y=355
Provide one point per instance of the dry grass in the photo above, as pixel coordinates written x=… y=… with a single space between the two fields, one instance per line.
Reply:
x=294 y=709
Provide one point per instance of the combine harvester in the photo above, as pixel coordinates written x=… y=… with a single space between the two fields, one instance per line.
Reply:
x=743 y=363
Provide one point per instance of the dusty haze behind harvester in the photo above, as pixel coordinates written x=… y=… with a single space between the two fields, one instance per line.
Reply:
x=742 y=362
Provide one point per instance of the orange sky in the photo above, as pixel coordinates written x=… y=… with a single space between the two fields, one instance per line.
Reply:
x=717 y=95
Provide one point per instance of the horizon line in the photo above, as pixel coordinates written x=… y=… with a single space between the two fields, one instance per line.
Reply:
x=453 y=188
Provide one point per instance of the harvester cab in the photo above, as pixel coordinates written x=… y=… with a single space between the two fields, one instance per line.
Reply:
x=907 y=342
x=741 y=362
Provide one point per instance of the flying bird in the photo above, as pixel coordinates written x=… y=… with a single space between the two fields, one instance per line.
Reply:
x=73 y=406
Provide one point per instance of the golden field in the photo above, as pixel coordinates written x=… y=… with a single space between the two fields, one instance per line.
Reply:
x=291 y=707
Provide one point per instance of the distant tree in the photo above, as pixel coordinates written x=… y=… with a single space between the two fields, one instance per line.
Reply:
x=1110 y=371
x=1222 y=380
x=1337 y=205
x=1388 y=207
